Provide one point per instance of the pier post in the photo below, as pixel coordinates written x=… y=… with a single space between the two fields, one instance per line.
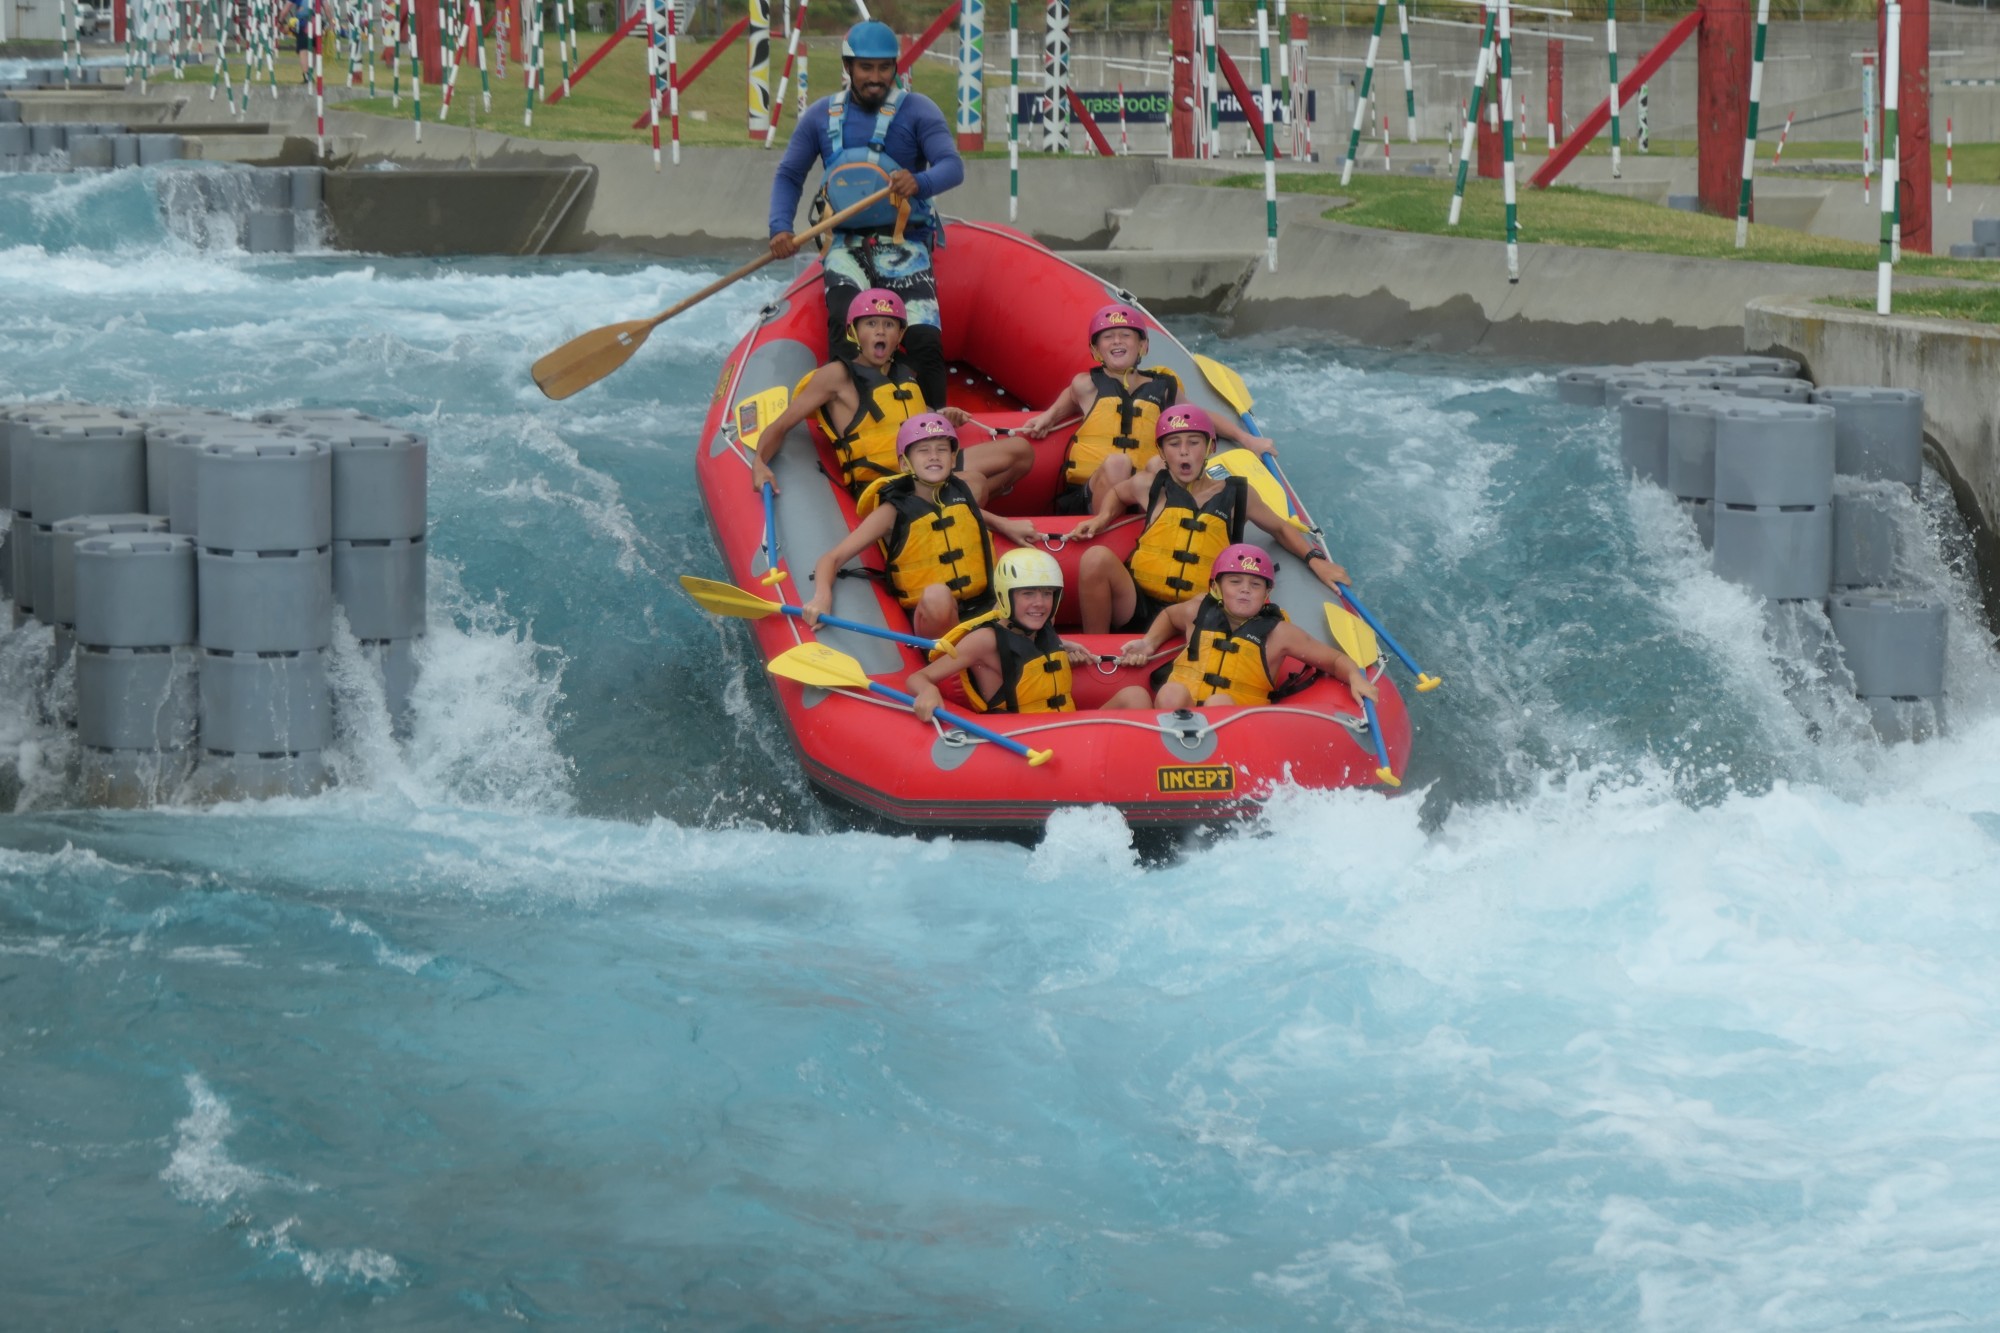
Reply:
x=1722 y=78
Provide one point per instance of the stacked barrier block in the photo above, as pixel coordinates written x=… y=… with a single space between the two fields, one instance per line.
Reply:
x=136 y=666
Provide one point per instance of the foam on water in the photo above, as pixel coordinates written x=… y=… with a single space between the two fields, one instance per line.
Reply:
x=1665 y=1001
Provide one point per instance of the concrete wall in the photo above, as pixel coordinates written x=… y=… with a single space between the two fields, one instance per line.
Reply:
x=1956 y=365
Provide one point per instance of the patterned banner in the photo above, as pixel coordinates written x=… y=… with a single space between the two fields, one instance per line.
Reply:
x=759 y=39
x=972 y=70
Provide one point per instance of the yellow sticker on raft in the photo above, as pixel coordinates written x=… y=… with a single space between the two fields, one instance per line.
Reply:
x=1199 y=778
x=1245 y=464
x=758 y=411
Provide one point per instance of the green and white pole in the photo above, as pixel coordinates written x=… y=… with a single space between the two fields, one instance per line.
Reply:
x=1270 y=139
x=1367 y=85
x=1209 y=37
x=1885 y=266
x=1611 y=45
x=479 y=44
x=1284 y=56
x=1409 y=86
x=416 y=70
x=1750 y=127
x=566 y=40
x=1013 y=110
x=393 y=39
x=1479 y=72
x=1507 y=141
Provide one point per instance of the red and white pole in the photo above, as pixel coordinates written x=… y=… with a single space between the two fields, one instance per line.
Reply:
x=1125 y=141
x=319 y=76
x=1947 y=159
x=1783 y=135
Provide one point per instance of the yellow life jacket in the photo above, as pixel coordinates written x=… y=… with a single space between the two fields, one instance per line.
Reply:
x=866 y=445
x=1177 y=549
x=1121 y=421
x=1232 y=662
x=943 y=542
x=1034 y=668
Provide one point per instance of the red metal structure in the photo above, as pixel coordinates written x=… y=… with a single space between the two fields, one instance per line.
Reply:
x=1555 y=84
x=1913 y=121
x=1722 y=103
x=1593 y=124
x=939 y=27
x=1181 y=119
x=590 y=61
x=1252 y=109
x=722 y=43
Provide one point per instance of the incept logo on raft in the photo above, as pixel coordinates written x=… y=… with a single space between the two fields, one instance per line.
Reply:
x=1204 y=779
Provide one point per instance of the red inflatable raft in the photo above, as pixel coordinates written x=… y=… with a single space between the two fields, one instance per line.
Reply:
x=1014 y=316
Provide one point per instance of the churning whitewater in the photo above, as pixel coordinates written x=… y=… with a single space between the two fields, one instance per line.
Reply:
x=1664 y=999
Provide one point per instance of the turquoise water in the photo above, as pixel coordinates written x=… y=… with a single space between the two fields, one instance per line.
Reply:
x=1665 y=999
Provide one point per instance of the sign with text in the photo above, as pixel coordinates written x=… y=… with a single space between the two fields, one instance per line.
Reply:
x=1150 y=106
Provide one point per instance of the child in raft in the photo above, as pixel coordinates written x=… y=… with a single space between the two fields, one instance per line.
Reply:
x=1237 y=643
x=1190 y=518
x=1120 y=406
x=1009 y=660
x=862 y=403
x=936 y=538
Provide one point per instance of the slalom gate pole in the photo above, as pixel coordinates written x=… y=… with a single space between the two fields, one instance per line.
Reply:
x=1209 y=37
x=1479 y=72
x=1784 y=134
x=319 y=78
x=1013 y=110
x=1744 y=193
x=416 y=72
x=393 y=40
x=1884 y=268
x=674 y=79
x=1409 y=85
x=1507 y=140
x=1270 y=136
x=565 y=37
x=479 y=43
x=653 y=58
x=1125 y=140
x=1947 y=159
x=795 y=22
x=1611 y=45
x=1367 y=82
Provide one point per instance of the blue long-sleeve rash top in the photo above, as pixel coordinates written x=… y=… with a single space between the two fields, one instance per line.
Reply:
x=919 y=141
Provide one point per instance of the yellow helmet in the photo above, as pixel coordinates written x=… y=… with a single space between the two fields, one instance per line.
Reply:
x=1025 y=567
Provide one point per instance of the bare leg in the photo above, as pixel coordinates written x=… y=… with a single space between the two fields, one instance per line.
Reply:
x=1001 y=462
x=1105 y=586
x=1109 y=473
x=1173 y=694
x=936 y=612
x=1132 y=696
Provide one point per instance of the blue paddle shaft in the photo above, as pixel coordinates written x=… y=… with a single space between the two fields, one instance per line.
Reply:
x=770 y=529
x=962 y=723
x=1375 y=731
x=871 y=631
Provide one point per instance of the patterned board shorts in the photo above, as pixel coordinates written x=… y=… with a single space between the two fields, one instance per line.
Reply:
x=857 y=261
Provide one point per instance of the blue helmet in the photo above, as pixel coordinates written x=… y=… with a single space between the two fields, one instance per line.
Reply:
x=870 y=40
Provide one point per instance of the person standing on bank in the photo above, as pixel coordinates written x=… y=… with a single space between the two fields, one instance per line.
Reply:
x=868 y=133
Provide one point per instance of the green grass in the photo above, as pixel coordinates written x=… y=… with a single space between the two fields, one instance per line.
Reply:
x=1981 y=306
x=1566 y=216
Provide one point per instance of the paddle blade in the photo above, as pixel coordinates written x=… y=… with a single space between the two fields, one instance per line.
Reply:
x=588 y=358
x=1351 y=633
x=1245 y=464
x=1225 y=382
x=726 y=599
x=817 y=664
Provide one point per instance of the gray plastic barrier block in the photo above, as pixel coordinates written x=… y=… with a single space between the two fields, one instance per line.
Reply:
x=1642 y=433
x=1771 y=453
x=1702 y=512
x=1778 y=553
x=16 y=140
x=1691 y=445
x=136 y=698
x=1864 y=541
x=324 y=420
x=1584 y=385
x=1763 y=367
x=254 y=777
x=1893 y=642
x=1878 y=433
x=396 y=660
x=21 y=561
x=1776 y=387
x=270 y=494
x=378 y=479
x=19 y=424
x=1968 y=252
x=1684 y=203
x=135 y=590
x=62 y=554
x=1631 y=381
x=184 y=445
x=1679 y=370
x=157 y=148
x=1897 y=721
x=269 y=703
x=124 y=150
x=42 y=571
x=132 y=779
x=271 y=190
x=1986 y=231
x=261 y=602
x=308 y=189
x=6 y=557
x=88 y=467
x=160 y=425
x=380 y=585
x=91 y=151
x=10 y=111
x=46 y=137
x=269 y=233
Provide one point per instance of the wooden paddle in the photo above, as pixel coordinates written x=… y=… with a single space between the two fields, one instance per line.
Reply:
x=589 y=357
x=817 y=664
x=1358 y=642
x=726 y=599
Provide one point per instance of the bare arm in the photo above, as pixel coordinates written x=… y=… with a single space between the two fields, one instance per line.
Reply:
x=1295 y=541
x=824 y=385
x=1170 y=623
x=1291 y=641
x=872 y=529
x=1231 y=429
x=1072 y=400
x=975 y=649
x=1129 y=493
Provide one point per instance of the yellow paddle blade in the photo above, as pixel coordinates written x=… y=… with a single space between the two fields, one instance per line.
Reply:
x=1226 y=382
x=726 y=599
x=817 y=664
x=589 y=357
x=758 y=411
x=1245 y=464
x=1352 y=635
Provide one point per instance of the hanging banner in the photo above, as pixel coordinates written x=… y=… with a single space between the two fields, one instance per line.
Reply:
x=1150 y=106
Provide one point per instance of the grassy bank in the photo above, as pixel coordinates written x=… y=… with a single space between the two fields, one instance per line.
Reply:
x=1566 y=216
x=1981 y=305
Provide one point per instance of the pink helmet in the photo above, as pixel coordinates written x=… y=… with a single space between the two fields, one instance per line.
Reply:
x=925 y=426
x=877 y=301
x=1243 y=558
x=1117 y=316
x=1182 y=417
